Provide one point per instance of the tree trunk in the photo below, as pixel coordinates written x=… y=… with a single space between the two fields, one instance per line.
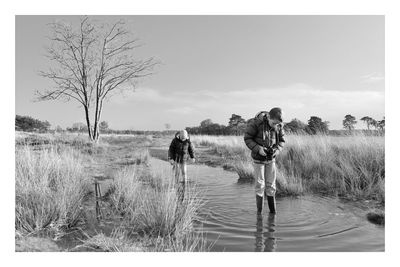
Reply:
x=88 y=122
x=97 y=116
x=96 y=134
x=95 y=128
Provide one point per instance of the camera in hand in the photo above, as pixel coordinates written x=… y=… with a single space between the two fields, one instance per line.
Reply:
x=270 y=153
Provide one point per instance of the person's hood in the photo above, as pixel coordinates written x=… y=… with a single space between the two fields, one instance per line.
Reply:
x=178 y=137
x=261 y=116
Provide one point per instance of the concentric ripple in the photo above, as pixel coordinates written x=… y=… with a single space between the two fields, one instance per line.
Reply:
x=308 y=223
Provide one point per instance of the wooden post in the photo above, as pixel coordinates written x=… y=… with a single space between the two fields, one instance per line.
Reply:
x=98 y=196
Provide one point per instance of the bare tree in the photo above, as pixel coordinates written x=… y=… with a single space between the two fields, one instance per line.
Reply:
x=92 y=63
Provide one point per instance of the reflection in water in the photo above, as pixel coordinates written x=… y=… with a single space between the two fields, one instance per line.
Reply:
x=265 y=239
x=307 y=223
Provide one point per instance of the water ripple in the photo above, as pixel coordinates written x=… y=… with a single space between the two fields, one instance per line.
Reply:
x=309 y=223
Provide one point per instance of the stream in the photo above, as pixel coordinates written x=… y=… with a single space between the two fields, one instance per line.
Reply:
x=307 y=223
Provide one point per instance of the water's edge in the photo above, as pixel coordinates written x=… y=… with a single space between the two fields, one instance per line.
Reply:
x=308 y=223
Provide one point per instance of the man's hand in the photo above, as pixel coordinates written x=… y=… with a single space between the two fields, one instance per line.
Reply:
x=275 y=150
x=193 y=160
x=171 y=161
x=262 y=152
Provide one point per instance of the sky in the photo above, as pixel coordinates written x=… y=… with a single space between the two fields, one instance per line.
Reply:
x=215 y=66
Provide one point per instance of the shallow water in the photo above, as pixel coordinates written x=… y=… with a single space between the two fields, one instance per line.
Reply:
x=307 y=223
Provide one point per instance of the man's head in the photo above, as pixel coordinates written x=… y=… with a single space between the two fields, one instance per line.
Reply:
x=275 y=116
x=183 y=135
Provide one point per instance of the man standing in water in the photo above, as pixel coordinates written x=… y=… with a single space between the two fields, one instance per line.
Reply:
x=264 y=136
x=177 y=155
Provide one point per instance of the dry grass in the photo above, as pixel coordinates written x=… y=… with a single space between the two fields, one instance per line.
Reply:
x=352 y=166
x=349 y=166
x=79 y=142
x=190 y=242
x=118 y=241
x=138 y=156
x=50 y=186
x=149 y=204
x=244 y=169
x=127 y=140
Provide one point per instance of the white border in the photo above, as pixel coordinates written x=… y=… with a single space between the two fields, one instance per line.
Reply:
x=117 y=7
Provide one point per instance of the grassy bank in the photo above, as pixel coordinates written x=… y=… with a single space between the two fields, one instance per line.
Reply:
x=50 y=187
x=54 y=195
x=351 y=166
x=148 y=203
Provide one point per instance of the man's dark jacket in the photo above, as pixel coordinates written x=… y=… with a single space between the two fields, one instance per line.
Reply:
x=178 y=150
x=253 y=136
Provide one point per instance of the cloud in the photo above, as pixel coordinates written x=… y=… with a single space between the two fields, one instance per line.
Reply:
x=181 y=110
x=147 y=95
x=296 y=96
x=372 y=77
x=297 y=100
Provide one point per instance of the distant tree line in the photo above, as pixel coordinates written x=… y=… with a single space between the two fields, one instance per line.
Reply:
x=80 y=127
x=29 y=124
x=315 y=125
x=236 y=126
x=378 y=125
x=350 y=121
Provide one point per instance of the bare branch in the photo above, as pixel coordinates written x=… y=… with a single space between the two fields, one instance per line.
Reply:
x=90 y=62
x=58 y=94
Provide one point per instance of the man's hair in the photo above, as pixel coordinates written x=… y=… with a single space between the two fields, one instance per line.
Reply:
x=276 y=113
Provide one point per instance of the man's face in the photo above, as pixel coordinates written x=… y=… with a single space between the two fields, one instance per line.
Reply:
x=183 y=135
x=273 y=123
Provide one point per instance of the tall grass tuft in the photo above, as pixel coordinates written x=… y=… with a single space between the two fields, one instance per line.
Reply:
x=125 y=191
x=118 y=241
x=50 y=186
x=190 y=242
x=154 y=209
x=348 y=166
x=289 y=185
x=244 y=169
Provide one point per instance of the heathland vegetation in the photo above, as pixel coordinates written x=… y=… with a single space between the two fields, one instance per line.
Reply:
x=55 y=197
x=55 y=176
x=56 y=170
x=350 y=167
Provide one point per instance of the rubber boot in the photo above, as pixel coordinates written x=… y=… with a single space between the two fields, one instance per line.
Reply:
x=271 y=204
x=259 y=203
